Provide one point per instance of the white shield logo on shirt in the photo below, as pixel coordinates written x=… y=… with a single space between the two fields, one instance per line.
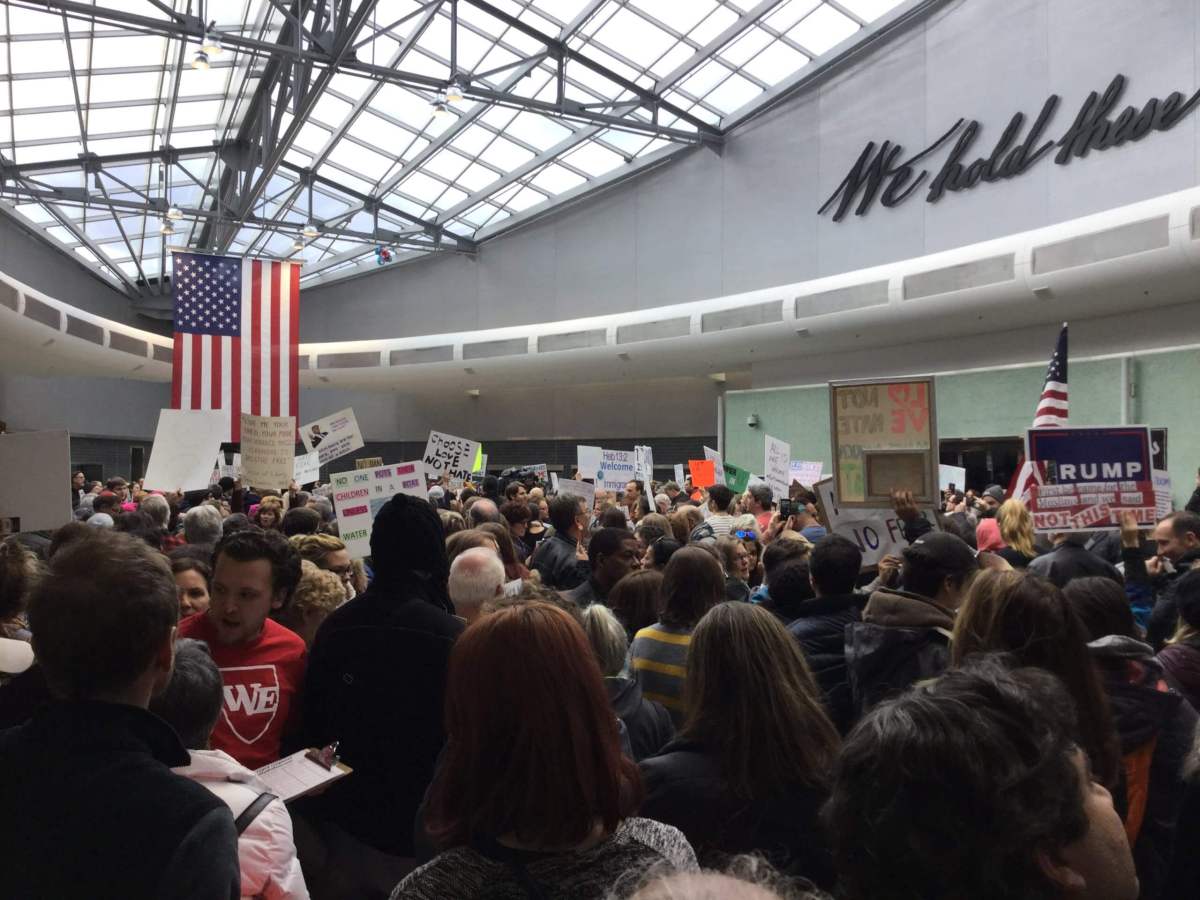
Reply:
x=251 y=700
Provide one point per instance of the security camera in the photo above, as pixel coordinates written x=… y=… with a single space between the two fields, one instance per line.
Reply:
x=752 y=421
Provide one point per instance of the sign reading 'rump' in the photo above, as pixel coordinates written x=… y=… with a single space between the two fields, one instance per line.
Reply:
x=881 y=171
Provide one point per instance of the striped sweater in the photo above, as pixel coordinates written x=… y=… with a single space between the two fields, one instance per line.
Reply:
x=658 y=657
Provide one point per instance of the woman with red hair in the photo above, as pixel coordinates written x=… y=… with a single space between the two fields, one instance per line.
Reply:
x=532 y=796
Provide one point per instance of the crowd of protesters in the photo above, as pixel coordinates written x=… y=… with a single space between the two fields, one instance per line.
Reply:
x=670 y=692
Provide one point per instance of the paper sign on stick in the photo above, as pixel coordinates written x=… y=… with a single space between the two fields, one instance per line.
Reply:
x=446 y=454
x=186 y=442
x=703 y=472
x=332 y=436
x=617 y=469
x=718 y=467
x=777 y=463
x=679 y=479
x=1163 y=501
x=951 y=475
x=589 y=460
x=554 y=482
x=806 y=472
x=37 y=467
x=581 y=489
x=359 y=495
x=307 y=467
x=268 y=448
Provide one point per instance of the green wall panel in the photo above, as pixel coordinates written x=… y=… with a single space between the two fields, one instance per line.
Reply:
x=995 y=404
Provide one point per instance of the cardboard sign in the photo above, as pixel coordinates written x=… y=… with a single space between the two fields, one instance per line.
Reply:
x=776 y=466
x=541 y=472
x=332 y=437
x=589 y=460
x=446 y=454
x=1087 y=477
x=368 y=462
x=877 y=532
x=581 y=489
x=679 y=479
x=718 y=465
x=268 y=450
x=703 y=472
x=37 y=476
x=884 y=437
x=951 y=475
x=805 y=472
x=359 y=495
x=617 y=469
x=306 y=468
x=737 y=479
x=186 y=442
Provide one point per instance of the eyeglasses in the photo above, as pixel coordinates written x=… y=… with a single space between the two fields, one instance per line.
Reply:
x=746 y=535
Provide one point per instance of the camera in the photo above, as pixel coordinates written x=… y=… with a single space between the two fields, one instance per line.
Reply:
x=752 y=421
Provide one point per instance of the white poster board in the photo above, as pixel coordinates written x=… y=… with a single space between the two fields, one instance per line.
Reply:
x=1164 y=502
x=679 y=476
x=806 y=472
x=617 y=469
x=186 y=442
x=644 y=463
x=581 y=489
x=951 y=475
x=589 y=460
x=448 y=455
x=358 y=496
x=718 y=465
x=776 y=466
x=306 y=468
x=877 y=532
x=333 y=436
x=268 y=451
x=36 y=467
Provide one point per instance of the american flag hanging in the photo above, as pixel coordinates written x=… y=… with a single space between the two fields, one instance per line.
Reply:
x=237 y=325
x=1052 y=410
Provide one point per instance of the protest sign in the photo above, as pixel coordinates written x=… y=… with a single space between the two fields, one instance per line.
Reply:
x=554 y=482
x=332 y=437
x=237 y=465
x=588 y=460
x=679 y=479
x=37 y=472
x=718 y=465
x=186 y=442
x=480 y=464
x=884 y=438
x=1164 y=502
x=776 y=465
x=1088 y=477
x=805 y=472
x=541 y=472
x=737 y=479
x=268 y=448
x=644 y=463
x=368 y=462
x=446 y=454
x=951 y=476
x=876 y=532
x=1158 y=448
x=307 y=467
x=617 y=469
x=359 y=495
x=581 y=489
x=703 y=472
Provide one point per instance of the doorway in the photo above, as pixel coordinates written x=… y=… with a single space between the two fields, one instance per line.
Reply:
x=990 y=460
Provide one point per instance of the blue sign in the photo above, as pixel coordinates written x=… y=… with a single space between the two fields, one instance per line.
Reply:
x=1082 y=455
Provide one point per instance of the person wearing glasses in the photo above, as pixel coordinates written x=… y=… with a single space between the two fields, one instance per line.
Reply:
x=738 y=564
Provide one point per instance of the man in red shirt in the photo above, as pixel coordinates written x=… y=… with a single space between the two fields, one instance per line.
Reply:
x=261 y=662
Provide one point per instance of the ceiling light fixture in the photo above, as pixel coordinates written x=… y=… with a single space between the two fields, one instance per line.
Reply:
x=211 y=43
x=298 y=244
x=311 y=230
x=454 y=90
x=174 y=213
x=200 y=61
x=439 y=105
x=167 y=228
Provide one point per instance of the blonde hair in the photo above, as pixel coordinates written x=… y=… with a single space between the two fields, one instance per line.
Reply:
x=318 y=590
x=1183 y=631
x=314 y=547
x=1016 y=526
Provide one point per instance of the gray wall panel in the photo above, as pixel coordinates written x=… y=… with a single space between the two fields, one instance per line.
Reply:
x=595 y=244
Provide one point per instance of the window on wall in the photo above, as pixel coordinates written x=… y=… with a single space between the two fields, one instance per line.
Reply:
x=989 y=460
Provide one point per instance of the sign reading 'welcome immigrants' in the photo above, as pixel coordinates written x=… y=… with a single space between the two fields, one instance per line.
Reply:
x=883 y=167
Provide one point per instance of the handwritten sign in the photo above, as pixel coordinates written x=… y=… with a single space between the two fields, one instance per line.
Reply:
x=307 y=468
x=876 y=532
x=359 y=495
x=737 y=479
x=776 y=466
x=679 y=479
x=806 y=472
x=581 y=489
x=718 y=465
x=268 y=448
x=446 y=454
x=703 y=472
x=332 y=437
x=870 y=419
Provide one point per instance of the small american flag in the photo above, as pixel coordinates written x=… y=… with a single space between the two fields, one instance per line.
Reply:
x=1052 y=410
x=237 y=324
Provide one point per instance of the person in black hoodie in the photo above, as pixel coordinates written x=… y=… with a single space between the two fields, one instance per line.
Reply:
x=820 y=626
x=376 y=681
x=647 y=723
x=751 y=767
x=1155 y=725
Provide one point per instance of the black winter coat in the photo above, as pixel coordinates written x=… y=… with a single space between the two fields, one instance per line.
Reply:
x=684 y=788
x=555 y=560
x=648 y=723
x=1066 y=562
x=820 y=628
x=90 y=808
x=376 y=683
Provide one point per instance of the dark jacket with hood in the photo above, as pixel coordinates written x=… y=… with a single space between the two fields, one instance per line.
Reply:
x=1156 y=727
x=820 y=628
x=1181 y=662
x=648 y=723
x=684 y=788
x=1183 y=878
x=377 y=677
x=1069 y=561
x=902 y=638
x=555 y=560
x=90 y=808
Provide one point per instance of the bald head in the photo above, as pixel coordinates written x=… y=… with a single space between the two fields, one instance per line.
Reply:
x=476 y=576
x=483 y=510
